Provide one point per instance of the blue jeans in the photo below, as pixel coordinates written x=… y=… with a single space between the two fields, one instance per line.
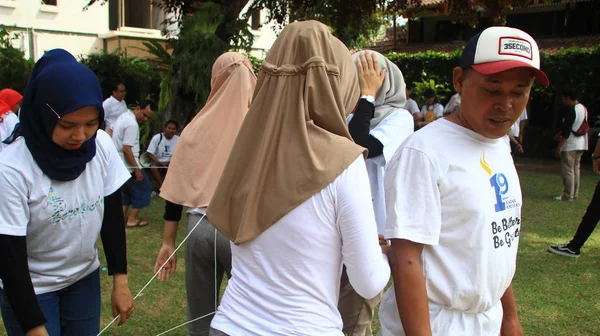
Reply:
x=74 y=310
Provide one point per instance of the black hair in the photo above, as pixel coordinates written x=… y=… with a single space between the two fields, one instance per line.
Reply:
x=172 y=121
x=115 y=85
x=570 y=94
x=429 y=93
x=144 y=103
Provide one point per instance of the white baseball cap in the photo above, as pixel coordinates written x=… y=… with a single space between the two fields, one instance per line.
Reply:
x=497 y=49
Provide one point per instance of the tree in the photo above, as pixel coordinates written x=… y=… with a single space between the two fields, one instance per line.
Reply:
x=209 y=28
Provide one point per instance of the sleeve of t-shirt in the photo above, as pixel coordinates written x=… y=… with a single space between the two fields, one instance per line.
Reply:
x=439 y=110
x=116 y=172
x=411 y=106
x=153 y=146
x=523 y=115
x=413 y=205
x=392 y=131
x=130 y=135
x=367 y=268
x=14 y=208
x=108 y=111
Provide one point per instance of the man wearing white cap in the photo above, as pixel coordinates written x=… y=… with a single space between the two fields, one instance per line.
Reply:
x=455 y=230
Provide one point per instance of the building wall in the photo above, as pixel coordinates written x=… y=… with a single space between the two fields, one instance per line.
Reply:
x=39 y=27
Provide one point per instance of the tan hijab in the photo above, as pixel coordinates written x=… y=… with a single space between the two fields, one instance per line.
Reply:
x=205 y=143
x=294 y=140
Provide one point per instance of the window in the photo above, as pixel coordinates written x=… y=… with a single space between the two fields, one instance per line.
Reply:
x=49 y=2
x=134 y=13
x=255 y=22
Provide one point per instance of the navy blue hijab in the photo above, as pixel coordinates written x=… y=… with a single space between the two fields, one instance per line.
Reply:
x=66 y=85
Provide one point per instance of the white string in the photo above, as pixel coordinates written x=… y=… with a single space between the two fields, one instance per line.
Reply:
x=159 y=270
x=216 y=293
x=186 y=323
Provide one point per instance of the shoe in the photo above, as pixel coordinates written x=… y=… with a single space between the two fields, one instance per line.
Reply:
x=153 y=194
x=562 y=198
x=564 y=250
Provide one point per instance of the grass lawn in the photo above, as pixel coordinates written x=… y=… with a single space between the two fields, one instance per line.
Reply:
x=556 y=295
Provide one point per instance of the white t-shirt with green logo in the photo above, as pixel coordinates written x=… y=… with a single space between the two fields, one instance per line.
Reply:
x=61 y=219
x=465 y=207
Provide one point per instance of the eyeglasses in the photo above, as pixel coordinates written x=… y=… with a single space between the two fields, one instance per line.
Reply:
x=57 y=115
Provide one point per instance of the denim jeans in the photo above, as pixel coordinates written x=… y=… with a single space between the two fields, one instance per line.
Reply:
x=74 y=310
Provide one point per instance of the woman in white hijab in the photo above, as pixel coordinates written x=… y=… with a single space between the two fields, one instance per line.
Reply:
x=380 y=124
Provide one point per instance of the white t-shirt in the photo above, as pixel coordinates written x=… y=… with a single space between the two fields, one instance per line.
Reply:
x=287 y=280
x=113 y=109
x=515 y=129
x=430 y=113
x=465 y=207
x=6 y=127
x=577 y=142
x=411 y=106
x=391 y=132
x=61 y=220
x=162 y=147
x=127 y=133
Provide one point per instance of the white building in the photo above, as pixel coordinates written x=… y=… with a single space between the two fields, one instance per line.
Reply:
x=41 y=25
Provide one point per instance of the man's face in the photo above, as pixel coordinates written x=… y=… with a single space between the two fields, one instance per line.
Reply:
x=491 y=103
x=120 y=93
x=170 y=131
x=430 y=100
x=143 y=115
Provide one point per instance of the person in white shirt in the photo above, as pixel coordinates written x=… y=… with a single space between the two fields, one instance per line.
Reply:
x=294 y=196
x=60 y=185
x=431 y=111
x=453 y=105
x=455 y=230
x=571 y=146
x=114 y=106
x=410 y=105
x=380 y=124
x=10 y=102
x=160 y=150
x=126 y=137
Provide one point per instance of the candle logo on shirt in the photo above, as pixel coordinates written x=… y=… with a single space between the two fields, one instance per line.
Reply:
x=498 y=181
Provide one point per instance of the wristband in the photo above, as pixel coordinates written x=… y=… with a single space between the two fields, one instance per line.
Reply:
x=370 y=99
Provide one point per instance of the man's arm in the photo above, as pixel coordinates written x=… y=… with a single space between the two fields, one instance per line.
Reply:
x=153 y=157
x=129 y=157
x=565 y=130
x=409 y=284
x=511 y=326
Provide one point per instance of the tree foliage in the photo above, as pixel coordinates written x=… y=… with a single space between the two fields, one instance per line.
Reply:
x=14 y=68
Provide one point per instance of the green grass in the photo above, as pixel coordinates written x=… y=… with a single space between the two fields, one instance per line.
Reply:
x=556 y=295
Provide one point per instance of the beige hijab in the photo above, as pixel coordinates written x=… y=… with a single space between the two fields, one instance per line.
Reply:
x=205 y=143
x=392 y=94
x=294 y=140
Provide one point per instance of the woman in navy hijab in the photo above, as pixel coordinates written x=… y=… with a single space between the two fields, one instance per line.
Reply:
x=60 y=183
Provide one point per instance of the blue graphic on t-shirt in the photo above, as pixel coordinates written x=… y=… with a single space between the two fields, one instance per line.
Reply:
x=61 y=212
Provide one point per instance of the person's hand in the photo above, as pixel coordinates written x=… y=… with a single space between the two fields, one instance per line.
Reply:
x=385 y=247
x=121 y=299
x=520 y=147
x=138 y=175
x=37 y=331
x=369 y=76
x=558 y=151
x=171 y=267
x=596 y=166
x=164 y=164
x=511 y=327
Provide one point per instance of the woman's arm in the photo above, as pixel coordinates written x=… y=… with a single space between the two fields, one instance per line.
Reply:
x=14 y=272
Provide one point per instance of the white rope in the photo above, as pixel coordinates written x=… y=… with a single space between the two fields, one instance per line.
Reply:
x=216 y=293
x=186 y=323
x=159 y=270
